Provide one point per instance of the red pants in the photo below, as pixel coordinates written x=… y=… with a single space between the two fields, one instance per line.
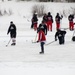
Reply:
x=49 y=25
x=71 y=25
x=57 y=25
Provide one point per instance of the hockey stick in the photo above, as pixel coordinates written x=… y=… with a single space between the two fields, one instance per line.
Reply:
x=28 y=20
x=73 y=33
x=64 y=28
x=45 y=44
x=50 y=42
x=8 y=42
x=34 y=42
x=34 y=39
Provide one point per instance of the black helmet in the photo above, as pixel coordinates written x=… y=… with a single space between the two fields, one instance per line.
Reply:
x=49 y=13
x=11 y=22
x=57 y=13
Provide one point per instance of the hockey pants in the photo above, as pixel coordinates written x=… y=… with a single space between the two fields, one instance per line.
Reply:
x=71 y=25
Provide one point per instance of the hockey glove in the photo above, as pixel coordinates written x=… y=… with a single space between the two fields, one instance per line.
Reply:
x=37 y=41
x=7 y=33
x=55 y=39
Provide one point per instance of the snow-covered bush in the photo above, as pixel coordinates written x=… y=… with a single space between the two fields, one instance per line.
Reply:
x=40 y=10
x=73 y=10
x=5 y=12
x=66 y=12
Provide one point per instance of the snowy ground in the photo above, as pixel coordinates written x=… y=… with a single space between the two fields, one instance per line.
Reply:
x=24 y=58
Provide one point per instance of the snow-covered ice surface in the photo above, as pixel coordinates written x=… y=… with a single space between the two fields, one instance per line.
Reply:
x=24 y=58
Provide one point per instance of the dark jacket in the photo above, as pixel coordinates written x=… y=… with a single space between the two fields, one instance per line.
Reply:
x=12 y=30
x=45 y=18
x=43 y=28
x=58 y=18
x=50 y=18
x=34 y=19
x=70 y=18
x=60 y=34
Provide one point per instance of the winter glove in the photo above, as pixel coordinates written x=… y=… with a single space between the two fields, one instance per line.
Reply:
x=37 y=41
x=61 y=16
x=55 y=39
x=7 y=33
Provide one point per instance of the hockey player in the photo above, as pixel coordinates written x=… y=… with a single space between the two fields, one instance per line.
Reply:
x=71 y=23
x=35 y=21
x=57 y=19
x=32 y=22
x=45 y=18
x=60 y=34
x=12 y=31
x=49 y=21
x=43 y=26
x=41 y=39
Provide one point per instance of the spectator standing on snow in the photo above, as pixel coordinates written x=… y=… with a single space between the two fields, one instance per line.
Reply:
x=49 y=21
x=12 y=31
x=41 y=39
x=57 y=19
x=71 y=23
x=34 y=21
x=43 y=26
x=61 y=36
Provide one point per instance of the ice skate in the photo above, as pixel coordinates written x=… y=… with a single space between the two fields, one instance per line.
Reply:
x=41 y=52
x=13 y=44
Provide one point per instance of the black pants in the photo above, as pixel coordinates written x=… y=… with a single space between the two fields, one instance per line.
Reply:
x=13 y=35
x=61 y=40
x=42 y=46
x=32 y=25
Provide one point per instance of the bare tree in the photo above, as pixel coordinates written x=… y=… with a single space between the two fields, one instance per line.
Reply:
x=44 y=0
x=71 y=0
x=39 y=9
x=2 y=0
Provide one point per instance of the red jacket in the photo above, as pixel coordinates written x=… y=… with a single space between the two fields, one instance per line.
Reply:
x=41 y=36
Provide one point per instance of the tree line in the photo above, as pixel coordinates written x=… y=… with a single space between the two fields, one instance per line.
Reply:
x=44 y=0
